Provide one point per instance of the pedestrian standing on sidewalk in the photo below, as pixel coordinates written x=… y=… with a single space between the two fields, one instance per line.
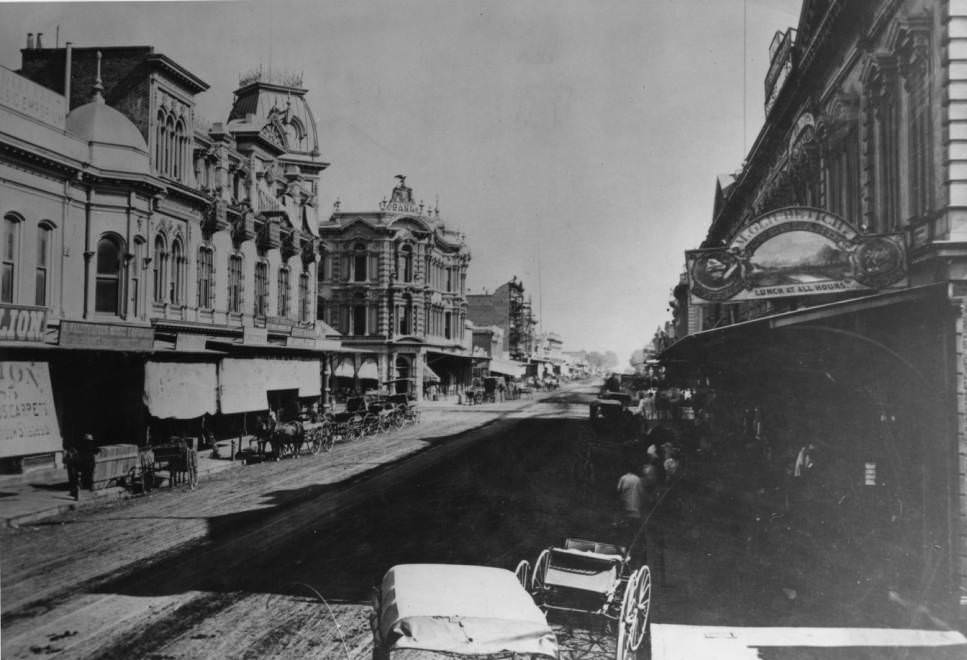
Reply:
x=80 y=465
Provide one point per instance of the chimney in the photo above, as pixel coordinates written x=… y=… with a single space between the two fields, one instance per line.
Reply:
x=39 y=42
x=30 y=40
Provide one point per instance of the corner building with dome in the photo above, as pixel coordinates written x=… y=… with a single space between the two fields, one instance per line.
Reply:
x=158 y=270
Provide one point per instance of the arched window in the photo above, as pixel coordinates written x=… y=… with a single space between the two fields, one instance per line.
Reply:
x=359 y=262
x=159 y=143
x=284 y=291
x=261 y=288
x=177 y=272
x=42 y=276
x=358 y=315
x=10 y=251
x=206 y=277
x=179 y=150
x=406 y=315
x=107 y=296
x=160 y=259
x=406 y=263
x=135 y=274
x=305 y=302
x=169 y=146
x=235 y=271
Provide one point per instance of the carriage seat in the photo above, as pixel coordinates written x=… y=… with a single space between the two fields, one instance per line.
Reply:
x=593 y=546
x=582 y=570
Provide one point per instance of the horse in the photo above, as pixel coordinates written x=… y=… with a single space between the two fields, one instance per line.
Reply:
x=286 y=438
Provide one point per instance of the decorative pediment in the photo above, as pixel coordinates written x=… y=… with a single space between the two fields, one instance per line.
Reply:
x=274 y=133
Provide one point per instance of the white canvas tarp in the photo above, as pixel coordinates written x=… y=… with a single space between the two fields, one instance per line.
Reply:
x=244 y=382
x=28 y=421
x=180 y=390
x=507 y=368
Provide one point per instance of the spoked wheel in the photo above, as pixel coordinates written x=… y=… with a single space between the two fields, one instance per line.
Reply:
x=523 y=573
x=539 y=577
x=642 y=605
x=626 y=620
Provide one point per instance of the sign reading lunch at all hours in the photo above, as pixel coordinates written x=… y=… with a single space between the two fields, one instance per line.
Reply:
x=795 y=252
x=28 y=421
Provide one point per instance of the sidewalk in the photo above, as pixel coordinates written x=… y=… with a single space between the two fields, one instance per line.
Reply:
x=28 y=502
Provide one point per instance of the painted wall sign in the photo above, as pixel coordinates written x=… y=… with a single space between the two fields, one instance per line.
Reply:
x=22 y=323
x=28 y=421
x=106 y=336
x=795 y=252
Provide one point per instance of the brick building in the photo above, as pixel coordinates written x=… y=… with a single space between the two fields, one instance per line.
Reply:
x=509 y=310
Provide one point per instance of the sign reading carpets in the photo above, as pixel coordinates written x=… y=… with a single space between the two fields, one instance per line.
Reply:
x=28 y=421
x=796 y=252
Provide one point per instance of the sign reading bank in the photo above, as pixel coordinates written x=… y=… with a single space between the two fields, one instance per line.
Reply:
x=796 y=252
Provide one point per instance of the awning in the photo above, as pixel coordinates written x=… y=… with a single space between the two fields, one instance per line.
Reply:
x=244 y=382
x=429 y=376
x=180 y=390
x=367 y=370
x=507 y=368
x=813 y=337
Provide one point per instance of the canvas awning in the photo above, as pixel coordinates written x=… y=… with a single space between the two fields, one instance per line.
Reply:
x=180 y=390
x=507 y=368
x=367 y=370
x=244 y=382
x=429 y=376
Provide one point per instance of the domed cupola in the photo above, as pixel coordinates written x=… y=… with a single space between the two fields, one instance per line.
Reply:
x=115 y=143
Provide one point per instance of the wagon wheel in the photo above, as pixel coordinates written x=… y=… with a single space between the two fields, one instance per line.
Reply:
x=314 y=440
x=523 y=573
x=626 y=620
x=642 y=605
x=540 y=571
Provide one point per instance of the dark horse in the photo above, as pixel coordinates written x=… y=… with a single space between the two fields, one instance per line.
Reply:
x=286 y=438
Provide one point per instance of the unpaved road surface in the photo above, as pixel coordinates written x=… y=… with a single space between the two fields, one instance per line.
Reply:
x=278 y=559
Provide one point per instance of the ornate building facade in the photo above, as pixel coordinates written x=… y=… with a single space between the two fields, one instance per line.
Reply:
x=393 y=282
x=168 y=260
x=828 y=296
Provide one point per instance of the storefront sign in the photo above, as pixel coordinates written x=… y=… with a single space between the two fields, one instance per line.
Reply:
x=105 y=336
x=796 y=252
x=22 y=323
x=28 y=421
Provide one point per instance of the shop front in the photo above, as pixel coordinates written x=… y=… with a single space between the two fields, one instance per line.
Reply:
x=838 y=419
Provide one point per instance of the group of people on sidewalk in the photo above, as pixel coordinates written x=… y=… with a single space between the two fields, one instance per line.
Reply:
x=640 y=495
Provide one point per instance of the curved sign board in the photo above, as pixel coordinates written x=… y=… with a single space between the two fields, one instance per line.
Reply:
x=796 y=252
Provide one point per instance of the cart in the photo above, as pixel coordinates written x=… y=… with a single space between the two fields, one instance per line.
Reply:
x=594 y=579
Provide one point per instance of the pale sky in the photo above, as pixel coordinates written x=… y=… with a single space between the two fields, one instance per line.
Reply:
x=576 y=144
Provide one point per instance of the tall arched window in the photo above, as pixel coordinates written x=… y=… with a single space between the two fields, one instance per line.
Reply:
x=406 y=265
x=235 y=271
x=135 y=275
x=9 y=251
x=261 y=288
x=169 y=145
x=358 y=315
x=322 y=269
x=406 y=315
x=159 y=143
x=206 y=276
x=305 y=302
x=284 y=291
x=42 y=276
x=160 y=259
x=107 y=295
x=177 y=272
x=359 y=262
